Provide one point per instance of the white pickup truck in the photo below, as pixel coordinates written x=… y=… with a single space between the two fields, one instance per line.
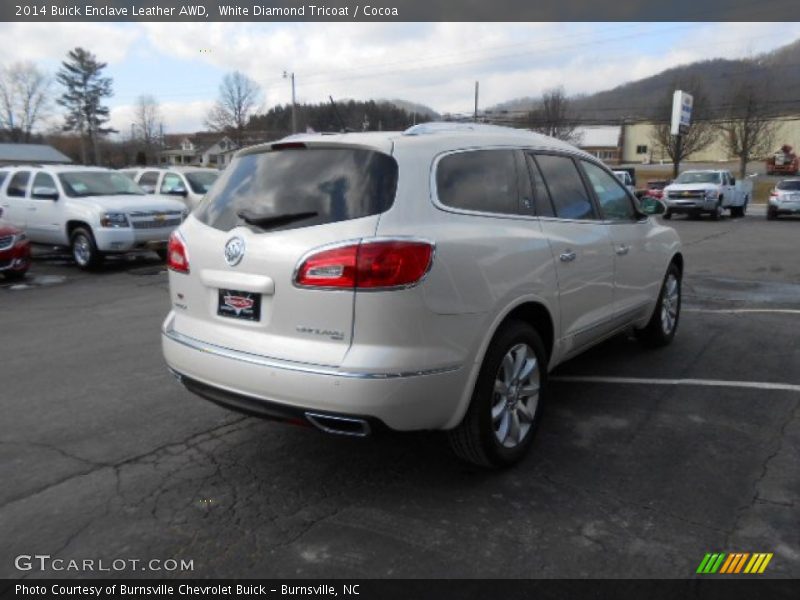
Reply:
x=91 y=210
x=707 y=191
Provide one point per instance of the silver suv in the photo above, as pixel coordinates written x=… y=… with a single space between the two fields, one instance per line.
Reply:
x=423 y=280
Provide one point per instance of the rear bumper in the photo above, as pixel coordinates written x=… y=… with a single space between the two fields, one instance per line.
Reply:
x=408 y=401
x=785 y=207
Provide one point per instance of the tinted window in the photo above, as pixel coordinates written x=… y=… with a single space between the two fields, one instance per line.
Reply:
x=793 y=185
x=201 y=181
x=569 y=195
x=335 y=184
x=148 y=181
x=613 y=198
x=18 y=184
x=544 y=207
x=483 y=180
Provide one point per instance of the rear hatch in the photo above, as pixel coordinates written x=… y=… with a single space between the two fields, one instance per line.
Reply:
x=270 y=208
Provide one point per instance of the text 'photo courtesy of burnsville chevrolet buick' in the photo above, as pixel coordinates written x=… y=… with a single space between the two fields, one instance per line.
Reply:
x=423 y=280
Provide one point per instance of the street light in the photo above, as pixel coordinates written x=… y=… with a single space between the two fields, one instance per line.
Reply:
x=287 y=75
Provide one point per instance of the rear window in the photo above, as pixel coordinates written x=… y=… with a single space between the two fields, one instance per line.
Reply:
x=306 y=186
x=793 y=186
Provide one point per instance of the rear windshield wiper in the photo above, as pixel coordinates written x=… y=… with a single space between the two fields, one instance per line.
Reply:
x=273 y=220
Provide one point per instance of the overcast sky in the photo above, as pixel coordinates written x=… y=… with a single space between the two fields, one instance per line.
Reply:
x=436 y=64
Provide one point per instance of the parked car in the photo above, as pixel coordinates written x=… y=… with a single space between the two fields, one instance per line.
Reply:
x=784 y=199
x=91 y=210
x=425 y=280
x=187 y=183
x=626 y=180
x=655 y=188
x=707 y=192
x=15 y=249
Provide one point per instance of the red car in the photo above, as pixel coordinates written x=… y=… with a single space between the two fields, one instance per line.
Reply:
x=655 y=189
x=15 y=251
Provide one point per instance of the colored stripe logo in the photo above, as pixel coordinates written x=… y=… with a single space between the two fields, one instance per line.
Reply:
x=734 y=563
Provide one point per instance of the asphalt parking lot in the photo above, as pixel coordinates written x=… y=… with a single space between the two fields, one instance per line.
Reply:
x=636 y=472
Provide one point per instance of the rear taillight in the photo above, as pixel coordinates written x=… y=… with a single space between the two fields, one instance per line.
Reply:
x=773 y=193
x=177 y=257
x=381 y=264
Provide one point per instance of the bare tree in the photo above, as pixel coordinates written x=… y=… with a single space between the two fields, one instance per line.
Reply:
x=554 y=116
x=147 y=122
x=24 y=99
x=238 y=98
x=700 y=134
x=749 y=129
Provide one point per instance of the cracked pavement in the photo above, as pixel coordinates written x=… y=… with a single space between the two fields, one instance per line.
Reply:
x=104 y=456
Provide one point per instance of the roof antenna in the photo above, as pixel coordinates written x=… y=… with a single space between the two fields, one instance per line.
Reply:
x=338 y=116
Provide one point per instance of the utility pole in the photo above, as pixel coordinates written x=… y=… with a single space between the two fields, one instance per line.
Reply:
x=294 y=104
x=475 y=116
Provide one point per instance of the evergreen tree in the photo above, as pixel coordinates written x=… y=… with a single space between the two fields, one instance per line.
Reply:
x=85 y=88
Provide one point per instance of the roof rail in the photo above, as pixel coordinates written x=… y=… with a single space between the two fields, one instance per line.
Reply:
x=449 y=127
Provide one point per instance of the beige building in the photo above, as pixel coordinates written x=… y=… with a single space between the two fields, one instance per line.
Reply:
x=638 y=145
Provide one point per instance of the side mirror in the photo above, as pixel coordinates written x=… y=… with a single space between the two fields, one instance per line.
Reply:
x=45 y=193
x=178 y=191
x=652 y=206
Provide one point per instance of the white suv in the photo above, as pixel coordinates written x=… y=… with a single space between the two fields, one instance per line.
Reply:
x=417 y=281
x=188 y=184
x=93 y=211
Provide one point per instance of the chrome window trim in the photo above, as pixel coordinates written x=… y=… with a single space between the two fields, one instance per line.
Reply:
x=308 y=368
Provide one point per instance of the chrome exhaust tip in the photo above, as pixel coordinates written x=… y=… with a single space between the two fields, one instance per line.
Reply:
x=339 y=425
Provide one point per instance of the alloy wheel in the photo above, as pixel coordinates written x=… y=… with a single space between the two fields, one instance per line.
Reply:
x=670 y=303
x=516 y=395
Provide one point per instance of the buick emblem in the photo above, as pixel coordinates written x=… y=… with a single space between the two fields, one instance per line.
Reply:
x=234 y=251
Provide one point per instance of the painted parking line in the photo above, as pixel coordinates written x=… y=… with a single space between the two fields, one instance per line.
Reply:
x=757 y=385
x=734 y=311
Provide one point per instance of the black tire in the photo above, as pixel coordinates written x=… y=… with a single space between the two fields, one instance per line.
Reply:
x=716 y=214
x=84 y=249
x=655 y=334
x=667 y=215
x=162 y=254
x=736 y=212
x=15 y=275
x=771 y=214
x=475 y=439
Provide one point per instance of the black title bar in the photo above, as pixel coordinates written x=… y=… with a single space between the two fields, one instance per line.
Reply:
x=266 y=11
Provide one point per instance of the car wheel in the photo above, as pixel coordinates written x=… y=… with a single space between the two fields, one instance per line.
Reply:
x=663 y=324
x=667 y=215
x=84 y=249
x=507 y=400
x=772 y=214
x=716 y=214
x=15 y=275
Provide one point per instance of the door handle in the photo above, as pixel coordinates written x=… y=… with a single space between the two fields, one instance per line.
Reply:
x=568 y=256
x=623 y=250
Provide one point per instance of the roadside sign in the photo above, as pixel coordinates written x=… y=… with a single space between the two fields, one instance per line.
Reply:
x=681 y=112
